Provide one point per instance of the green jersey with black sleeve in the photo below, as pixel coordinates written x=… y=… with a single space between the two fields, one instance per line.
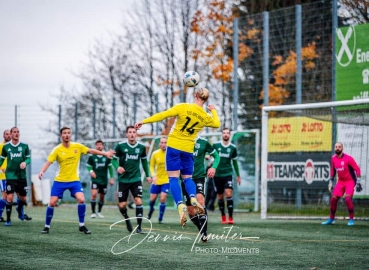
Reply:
x=129 y=156
x=228 y=155
x=100 y=165
x=202 y=146
x=15 y=154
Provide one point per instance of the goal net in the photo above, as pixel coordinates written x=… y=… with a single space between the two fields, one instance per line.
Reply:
x=297 y=146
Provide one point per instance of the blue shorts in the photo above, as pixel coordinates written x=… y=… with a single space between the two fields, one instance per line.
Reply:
x=156 y=189
x=59 y=188
x=2 y=185
x=177 y=160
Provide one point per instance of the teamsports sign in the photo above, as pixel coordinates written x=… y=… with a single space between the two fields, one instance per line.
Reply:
x=352 y=62
x=299 y=134
x=310 y=170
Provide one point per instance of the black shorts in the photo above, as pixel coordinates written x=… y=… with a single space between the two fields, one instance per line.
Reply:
x=17 y=186
x=102 y=189
x=124 y=188
x=222 y=183
x=200 y=185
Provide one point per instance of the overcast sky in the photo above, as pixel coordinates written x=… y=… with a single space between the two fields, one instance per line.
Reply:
x=41 y=41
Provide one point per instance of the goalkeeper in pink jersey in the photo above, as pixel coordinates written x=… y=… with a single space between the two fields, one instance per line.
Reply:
x=348 y=176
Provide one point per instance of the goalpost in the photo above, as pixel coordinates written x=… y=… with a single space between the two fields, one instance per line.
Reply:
x=297 y=143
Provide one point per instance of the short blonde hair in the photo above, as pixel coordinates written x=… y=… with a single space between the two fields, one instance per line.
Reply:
x=202 y=94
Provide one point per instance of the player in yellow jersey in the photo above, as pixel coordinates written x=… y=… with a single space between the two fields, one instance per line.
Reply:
x=68 y=154
x=160 y=180
x=7 y=138
x=191 y=118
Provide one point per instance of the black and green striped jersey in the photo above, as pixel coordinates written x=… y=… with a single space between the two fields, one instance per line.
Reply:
x=202 y=146
x=227 y=154
x=15 y=154
x=100 y=165
x=129 y=157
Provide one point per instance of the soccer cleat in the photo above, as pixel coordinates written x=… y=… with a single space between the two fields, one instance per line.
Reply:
x=8 y=223
x=230 y=220
x=84 y=229
x=351 y=222
x=100 y=215
x=328 y=222
x=129 y=225
x=139 y=230
x=2 y=219
x=20 y=214
x=45 y=230
x=224 y=220
x=93 y=215
x=204 y=237
x=200 y=210
x=131 y=205
x=160 y=221
x=149 y=214
x=26 y=217
x=182 y=209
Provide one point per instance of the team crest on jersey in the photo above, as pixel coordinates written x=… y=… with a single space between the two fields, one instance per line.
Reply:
x=137 y=151
x=197 y=145
x=75 y=151
x=125 y=150
x=103 y=159
x=20 y=148
x=342 y=163
x=228 y=150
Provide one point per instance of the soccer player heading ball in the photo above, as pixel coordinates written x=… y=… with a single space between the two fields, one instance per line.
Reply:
x=191 y=118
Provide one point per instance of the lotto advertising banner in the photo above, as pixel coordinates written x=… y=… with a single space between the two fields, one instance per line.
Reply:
x=352 y=62
x=307 y=170
x=299 y=134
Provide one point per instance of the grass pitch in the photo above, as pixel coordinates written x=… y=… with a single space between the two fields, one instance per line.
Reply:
x=251 y=243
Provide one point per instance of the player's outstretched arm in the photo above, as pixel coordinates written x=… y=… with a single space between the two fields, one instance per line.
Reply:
x=108 y=154
x=44 y=169
x=215 y=123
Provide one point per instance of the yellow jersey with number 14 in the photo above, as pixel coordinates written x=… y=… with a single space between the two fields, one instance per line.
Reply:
x=190 y=120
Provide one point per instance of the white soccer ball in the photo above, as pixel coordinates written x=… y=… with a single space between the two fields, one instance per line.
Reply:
x=191 y=78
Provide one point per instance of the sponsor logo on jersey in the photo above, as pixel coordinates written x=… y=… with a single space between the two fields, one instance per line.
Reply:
x=308 y=171
x=133 y=157
x=99 y=165
x=196 y=153
x=15 y=155
x=225 y=155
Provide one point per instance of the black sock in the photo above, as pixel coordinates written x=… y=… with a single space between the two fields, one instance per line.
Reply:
x=203 y=220
x=123 y=211
x=195 y=220
x=139 y=214
x=230 y=206
x=101 y=204
x=8 y=208
x=221 y=206
x=93 y=206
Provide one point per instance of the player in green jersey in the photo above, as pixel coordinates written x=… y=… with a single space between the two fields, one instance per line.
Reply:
x=127 y=162
x=202 y=146
x=18 y=157
x=223 y=177
x=98 y=167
